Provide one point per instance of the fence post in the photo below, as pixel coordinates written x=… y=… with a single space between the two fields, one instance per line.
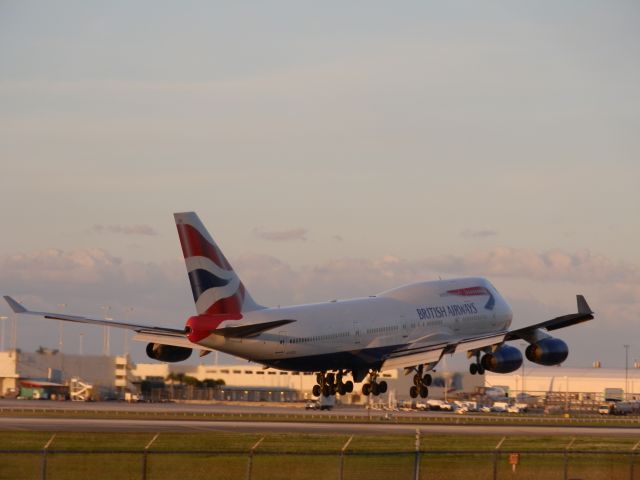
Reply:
x=43 y=472
x=496 y=453
x=416 y=464
x=250 y=459
x=566 y=458
x=144 y=456
x=344 y=448
x=632 y=462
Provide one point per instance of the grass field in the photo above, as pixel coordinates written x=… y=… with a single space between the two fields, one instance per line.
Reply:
x=182 y=456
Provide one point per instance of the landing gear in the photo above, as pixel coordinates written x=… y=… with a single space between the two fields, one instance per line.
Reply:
x=330 y=384
x=373 y=386
x=413 y=392
x=476 y=368
x=420 y=383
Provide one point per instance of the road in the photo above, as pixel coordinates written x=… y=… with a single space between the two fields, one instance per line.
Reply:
x=133 y=425
x=48 y=423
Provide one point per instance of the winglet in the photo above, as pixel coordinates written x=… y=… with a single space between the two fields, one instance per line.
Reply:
x=15 y=306
x=583 y=306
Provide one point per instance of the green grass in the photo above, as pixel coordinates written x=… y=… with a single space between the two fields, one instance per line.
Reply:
x=308 y=456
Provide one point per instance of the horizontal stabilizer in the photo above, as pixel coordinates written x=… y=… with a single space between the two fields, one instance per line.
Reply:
x=245 y=331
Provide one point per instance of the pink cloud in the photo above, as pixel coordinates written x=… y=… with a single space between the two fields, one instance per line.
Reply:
x=124 y=229
x=294 y=234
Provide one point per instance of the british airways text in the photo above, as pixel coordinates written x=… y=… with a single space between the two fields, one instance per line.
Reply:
x=454 y=310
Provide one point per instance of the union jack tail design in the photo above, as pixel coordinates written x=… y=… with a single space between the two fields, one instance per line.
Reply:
x=216 y=288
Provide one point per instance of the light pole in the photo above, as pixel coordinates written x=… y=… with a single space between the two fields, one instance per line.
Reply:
x=626 y=370
x=105 y=341
x=2 y=319
x=128 y=314
x=61 y=306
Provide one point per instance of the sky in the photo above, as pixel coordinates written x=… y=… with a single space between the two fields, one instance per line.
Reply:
x=333 y=150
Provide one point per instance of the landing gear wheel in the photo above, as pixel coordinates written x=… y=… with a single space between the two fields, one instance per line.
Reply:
x=382 y=387
x=424 y=392
x=349 y=386
x=366 y=389
x=426 y=380
x=413 y=392
x=473 y=368
x=342 y=389
x=316 y=390
x=417 y=379
x=480 y=370
x=375 y=389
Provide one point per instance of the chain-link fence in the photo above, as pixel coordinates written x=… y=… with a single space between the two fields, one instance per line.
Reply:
x=148 y=464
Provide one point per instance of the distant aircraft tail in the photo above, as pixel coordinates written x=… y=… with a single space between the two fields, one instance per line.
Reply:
x=215 y=286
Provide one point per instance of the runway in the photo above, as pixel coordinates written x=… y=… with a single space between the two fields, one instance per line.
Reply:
x=131 y=425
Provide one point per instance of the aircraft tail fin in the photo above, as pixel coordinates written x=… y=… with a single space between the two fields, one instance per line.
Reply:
x=216 y=287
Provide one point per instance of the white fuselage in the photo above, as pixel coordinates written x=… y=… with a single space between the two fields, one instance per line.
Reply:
x=358 y=333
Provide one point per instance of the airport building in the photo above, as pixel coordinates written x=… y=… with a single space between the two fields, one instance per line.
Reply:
x=49 y=374
x=596 y=383
x=246 y=382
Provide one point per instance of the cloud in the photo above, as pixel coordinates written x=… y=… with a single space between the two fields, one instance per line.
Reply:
x=124 y=229
x=539 y=285
x=294 y=234
x=556 y=265
x=483 y=233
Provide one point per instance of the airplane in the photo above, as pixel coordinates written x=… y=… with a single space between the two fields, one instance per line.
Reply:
x=410 y=327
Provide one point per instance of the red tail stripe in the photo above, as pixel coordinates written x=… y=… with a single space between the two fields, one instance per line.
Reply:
x=226 y=306
x=200 y=327
x=195 y=245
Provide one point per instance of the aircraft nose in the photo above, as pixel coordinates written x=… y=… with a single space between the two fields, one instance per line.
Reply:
x=508 y=314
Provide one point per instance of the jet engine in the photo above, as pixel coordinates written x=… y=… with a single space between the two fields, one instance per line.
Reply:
x=548 y=351
x=168 y=353
x=505 y=359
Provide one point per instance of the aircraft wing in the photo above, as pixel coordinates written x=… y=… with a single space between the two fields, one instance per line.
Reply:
x=167 y=336
x=423 y=352
x=584 y=313
x=416 y=354
x=141 y=329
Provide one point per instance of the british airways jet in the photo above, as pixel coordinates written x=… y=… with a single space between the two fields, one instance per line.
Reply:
x=408 y=327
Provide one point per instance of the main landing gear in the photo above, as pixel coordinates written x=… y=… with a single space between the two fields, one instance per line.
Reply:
x=331 y=383
x=373 y=387
x=421 y=382
x=476 y=367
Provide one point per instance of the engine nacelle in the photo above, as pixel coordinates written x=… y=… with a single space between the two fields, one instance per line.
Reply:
x=505 y=359
x=168 y=353
x=548 y=351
